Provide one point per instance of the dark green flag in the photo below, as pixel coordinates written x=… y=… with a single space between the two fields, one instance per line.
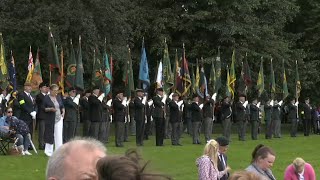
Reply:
x=79 y=70
x=71 y=69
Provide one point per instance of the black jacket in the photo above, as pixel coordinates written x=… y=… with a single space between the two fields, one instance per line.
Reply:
x=158 y=111
x=27 y=105
x=254 y=112
x=208 y=109
x=196 y=114
x=71 y=109
x=119 y=110
x=225 y=110
x=175 y=114
x=139 y=109
x=41 y=113
x=95 y=109
x=240 y=112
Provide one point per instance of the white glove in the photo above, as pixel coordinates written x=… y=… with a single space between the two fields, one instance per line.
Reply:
x=128 y=102
x=280 y=103
x=76 y=100
x=8 y=97
x=297 y=103
x=125 y=120
x=145 y=120
x=128 y=119
x=213 y=118
x=258 y=105
x=201 y=106
x=245 y=104
x=181 y=108
x=151 y=118
x=109 y=102
x=271 y=103
x=101 y=97
x=124 y=102
x=164 y=99
x=33 y=114
x=214 y=96
x=110 y=118
x=78 y=96
x=1 y=96
x=170 y=96
x=150 y=102
x=144 y=100
x=180 y=103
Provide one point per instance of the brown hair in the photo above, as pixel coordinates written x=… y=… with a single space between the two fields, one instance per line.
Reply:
x=125 y=167
x=261 y=151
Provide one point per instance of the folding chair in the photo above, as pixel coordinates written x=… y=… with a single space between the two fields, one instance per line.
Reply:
x=4 y=145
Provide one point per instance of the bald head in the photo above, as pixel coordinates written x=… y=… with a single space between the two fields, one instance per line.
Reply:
x=76 y=160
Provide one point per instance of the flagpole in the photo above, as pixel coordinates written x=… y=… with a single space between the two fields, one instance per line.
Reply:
x=50 y=74
x=297 y=93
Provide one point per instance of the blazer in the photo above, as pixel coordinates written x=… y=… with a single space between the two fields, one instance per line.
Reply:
x=41 y=113
x=267 y=112
x=276 y=113
x=175 y=114
x=71 y=109
x=158 y=111
x=240 y=113
x=225 y=111
x=26 y=106
x=254 y=112
x=222 y=167
x=50 y=118
x=139 y=109
x=208 y=109
x=119 y=110
x=305 y=111
x=84 y=105
x=95 y=109
x=292 y=114
x=196 y=115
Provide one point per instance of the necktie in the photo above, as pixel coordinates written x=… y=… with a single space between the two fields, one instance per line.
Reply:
x=222 y=161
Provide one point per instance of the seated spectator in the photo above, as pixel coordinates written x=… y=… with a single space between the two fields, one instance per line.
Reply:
x=75 y=160
x=125 y=168
x=244 y=175
x=299 y=169
x=19 y=127
x=263 y=158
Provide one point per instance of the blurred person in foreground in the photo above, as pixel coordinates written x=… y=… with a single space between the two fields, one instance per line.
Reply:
x=244 y=175
x=298 y=170
x=127 y=167
x=208 y=163
x=222 y=160
x=76 y=160
x=263 y=158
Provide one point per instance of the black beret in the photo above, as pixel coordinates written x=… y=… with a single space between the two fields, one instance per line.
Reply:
x=43 y=84
x=223 y=141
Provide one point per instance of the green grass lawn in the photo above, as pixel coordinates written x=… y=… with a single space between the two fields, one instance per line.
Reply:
x=179 y=161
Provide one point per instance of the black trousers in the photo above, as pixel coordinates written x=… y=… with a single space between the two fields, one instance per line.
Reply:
x=139 y=131
x=306 y=126
x=41 y=128
x=159 y=131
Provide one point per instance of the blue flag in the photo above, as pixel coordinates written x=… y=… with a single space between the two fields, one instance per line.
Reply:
x=144 y=69
x=107 y=75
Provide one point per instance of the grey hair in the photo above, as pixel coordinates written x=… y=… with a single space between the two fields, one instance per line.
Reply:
x=55 y=166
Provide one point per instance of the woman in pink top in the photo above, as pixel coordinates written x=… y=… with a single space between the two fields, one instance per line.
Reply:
x=207 y=163
x=299 y=170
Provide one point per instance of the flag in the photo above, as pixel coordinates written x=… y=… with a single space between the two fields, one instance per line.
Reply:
x=197 y=82
x=144 y=69
x=12 y=73
x=97 y=77
x=36 y=79
x=284 y=82
x=3 y=65
x=298 y=83
x=228 y=88
x=107 y=75
x=159 y=75
x=79 y=69
x=260 y=81
x=128 y=76
x=218 y=72
x=178 y=76
x=193 y=81
x=72 y=68
x=212 y=78
x=30 y=67
x=167 y=72
x=232 y=75
x=272 y=82
x=203 y=86
x=61 y=82
x=185 y=75
x=54 y=64
x=246 y=76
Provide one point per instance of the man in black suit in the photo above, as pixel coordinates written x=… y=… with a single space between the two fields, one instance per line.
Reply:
x=119 y=113
x=225 y=116
x=158 y=115
x=27 y=107
x=292 y=116
x=222 y=160
x=196 y=118
x=95 y=112
x=240 y=116
x=254 y=118
x=84 y=105
x=41 y=114
x=70 y=102
x=305 y=112
x=175 y=118
x=139 y=115
x=208 y=107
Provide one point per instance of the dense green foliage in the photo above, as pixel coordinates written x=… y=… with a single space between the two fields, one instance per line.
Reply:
x=278 y=29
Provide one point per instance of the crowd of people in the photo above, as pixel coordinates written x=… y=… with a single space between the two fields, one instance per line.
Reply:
x=58 y=116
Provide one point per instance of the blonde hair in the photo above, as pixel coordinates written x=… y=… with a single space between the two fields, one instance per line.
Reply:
x=244 y=175
x=211 y=150
x=298 y=164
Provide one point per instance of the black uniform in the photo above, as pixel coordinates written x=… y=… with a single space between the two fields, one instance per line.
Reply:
x=196 y=118
x=208 y=118
x=292 y=116
x=119 y=112
x=175 y=120
x=276 y=118
x=70 y=119
x=84 y=105
x=305 y=112
x=40 y=120
x=95 y=114
x=158 y=116
x=222 y=165
x=225 y=116
x=139 y=116
x=240 y=119
x=254 y=120
x=27 y=105
x=269 y=122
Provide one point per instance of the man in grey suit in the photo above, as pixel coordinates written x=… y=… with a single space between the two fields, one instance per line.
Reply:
x=222 y=160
